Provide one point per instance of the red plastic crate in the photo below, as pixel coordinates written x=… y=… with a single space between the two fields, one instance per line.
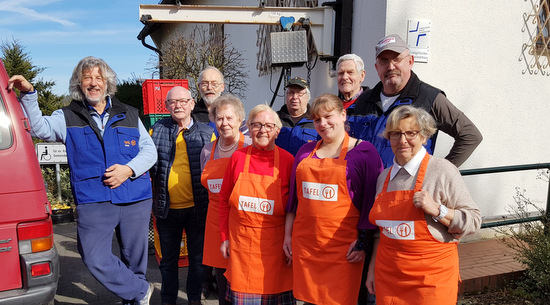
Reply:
x=154 y=93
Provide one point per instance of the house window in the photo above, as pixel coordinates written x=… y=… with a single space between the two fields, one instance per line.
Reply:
x=542 y=43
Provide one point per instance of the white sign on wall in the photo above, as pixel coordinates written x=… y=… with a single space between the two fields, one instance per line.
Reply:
x=51 y=153
x=418 y=39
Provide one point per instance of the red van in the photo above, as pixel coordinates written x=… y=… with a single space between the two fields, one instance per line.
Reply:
x=29 y=263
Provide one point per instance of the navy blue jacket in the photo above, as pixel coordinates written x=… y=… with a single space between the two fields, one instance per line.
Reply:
x=164 y=135
x=89 y=154
x=369 y=120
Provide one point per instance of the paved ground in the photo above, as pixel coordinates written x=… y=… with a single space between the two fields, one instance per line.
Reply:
x=78 y=286
x=484 y=264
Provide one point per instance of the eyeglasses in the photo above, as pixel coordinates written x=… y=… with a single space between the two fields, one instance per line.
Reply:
x=395 y=61
x=296 y=93
x=409 y=134
x=213 y=85
x=256 y=126
x=183 y=101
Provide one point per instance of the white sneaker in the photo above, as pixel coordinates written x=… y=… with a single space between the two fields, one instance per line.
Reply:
x=147 y=297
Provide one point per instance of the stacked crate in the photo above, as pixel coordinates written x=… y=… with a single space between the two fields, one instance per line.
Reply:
x=154 y=94
x=154 y=109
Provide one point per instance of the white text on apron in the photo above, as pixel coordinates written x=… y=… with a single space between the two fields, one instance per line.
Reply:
x=256 y=205
x=320 y=191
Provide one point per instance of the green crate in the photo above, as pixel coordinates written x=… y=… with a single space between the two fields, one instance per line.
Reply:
x=150 y=119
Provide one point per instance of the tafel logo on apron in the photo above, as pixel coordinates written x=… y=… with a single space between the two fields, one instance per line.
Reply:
x=215 y=185
x=397 y=229
x=256 y=205
x=320 y=191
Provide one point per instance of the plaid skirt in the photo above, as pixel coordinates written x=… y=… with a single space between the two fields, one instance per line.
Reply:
x=242 y=298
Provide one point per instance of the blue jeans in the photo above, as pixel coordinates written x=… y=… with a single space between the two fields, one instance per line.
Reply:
x=96 y=224
x=170 y=233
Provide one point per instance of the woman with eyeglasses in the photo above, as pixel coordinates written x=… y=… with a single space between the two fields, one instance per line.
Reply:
x=332 y=191
x=422 y=209
x=227 y=112
x=252 y=217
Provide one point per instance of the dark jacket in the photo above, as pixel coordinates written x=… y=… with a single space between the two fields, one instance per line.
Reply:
x=200 y=113
x=351 y=108
x=369 y=120
x=89 y=153
x=164 y=134
x=293 y=136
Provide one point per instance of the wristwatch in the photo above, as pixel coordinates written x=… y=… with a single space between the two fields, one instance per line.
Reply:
x=442 y=212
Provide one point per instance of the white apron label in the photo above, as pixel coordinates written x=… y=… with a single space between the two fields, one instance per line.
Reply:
x=214 y=185
x=397 y=229
x=320 y=191
x=256 y=205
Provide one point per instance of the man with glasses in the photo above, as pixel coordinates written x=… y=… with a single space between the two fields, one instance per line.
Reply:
x=211 y=86
x=180 y=201
x=399 y=85
x=297 y=128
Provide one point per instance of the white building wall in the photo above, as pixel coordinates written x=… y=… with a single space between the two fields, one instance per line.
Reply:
x=474 y=57
x=475 y=53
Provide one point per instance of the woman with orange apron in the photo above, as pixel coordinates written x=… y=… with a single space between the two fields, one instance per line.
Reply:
x=252 y=213
x=420 y=198
x=408 y=271
x=227 y=112
x=212 y=179
x=326 y=255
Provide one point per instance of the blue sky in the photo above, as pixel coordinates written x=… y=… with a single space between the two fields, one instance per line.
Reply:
x=56 y=34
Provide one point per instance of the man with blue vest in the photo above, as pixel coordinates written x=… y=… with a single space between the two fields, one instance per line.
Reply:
x=399 y=85
x=109 y=153
x=180 y=201
x=297 y=127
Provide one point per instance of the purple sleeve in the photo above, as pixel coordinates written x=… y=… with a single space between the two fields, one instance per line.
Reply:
x=304 y=151
x=363 y=167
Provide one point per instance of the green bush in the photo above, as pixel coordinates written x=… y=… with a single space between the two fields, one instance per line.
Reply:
x=48 y=172
x=531 y=241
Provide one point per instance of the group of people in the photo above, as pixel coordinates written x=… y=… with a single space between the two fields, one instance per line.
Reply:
x=313 y=202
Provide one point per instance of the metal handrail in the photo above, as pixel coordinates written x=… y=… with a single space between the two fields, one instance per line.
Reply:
x=512 y=168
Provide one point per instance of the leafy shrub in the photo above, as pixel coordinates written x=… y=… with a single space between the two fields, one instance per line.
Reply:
x=48 y=172
x=531 y=241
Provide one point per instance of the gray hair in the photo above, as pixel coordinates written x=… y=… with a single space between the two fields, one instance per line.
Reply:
x=227 y=100
x=308 y=93
x=424 y=120
x=261 y=108
x=359 y=64
x=211 y=68
x=88 y=63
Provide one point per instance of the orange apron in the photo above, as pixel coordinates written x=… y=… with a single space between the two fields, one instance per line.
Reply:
x=412 y=267
x=211 y=179
x=324 y=227
x=257 y=263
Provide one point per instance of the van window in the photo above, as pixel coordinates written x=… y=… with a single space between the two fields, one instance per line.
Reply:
x=6 y=138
